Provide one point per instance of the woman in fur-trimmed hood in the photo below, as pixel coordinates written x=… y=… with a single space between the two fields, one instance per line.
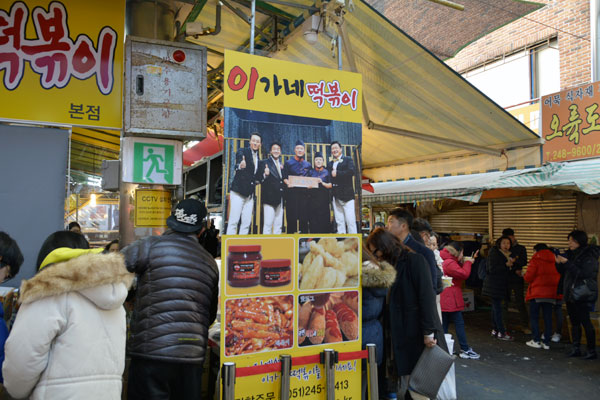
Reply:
x=68 y=340
x=377 y=279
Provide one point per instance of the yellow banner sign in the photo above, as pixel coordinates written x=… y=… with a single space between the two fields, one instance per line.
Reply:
x=283 y=87
x=152 y=207
x=279 y=296
x=61 y=62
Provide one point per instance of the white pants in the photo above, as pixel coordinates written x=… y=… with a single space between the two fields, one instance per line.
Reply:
x=273 y=219
x=345 y=215
x=239 y=206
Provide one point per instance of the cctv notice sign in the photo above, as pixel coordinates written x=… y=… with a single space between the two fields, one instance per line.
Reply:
x=152 y=207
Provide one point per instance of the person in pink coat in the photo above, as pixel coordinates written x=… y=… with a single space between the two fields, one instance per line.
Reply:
x=458 y=267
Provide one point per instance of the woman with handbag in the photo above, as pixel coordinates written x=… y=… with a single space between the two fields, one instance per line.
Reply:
x=580 y=290
x=414 y=322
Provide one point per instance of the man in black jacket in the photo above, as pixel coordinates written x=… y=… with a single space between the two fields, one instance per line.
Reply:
x=176 y=301
x=342 y=173
x=271 y=190
x=241 y=194
x=516 y=283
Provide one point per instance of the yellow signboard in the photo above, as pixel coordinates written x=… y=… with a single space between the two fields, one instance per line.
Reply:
x=279 y=297
x=61 y=62
x=283 y=87
x=152 y=207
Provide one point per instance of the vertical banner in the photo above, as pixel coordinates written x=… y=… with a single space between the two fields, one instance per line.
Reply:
x=571 y=123
x=290 y=282
x=61 y=62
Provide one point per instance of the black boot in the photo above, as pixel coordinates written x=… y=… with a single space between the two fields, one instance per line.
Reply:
x=591 y=355
x=575 y=351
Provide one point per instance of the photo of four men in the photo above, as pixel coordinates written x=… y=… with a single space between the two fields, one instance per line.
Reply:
x=298 y=195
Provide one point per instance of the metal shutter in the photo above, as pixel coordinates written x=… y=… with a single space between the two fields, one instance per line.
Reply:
x=469 y=219
x=536 y=221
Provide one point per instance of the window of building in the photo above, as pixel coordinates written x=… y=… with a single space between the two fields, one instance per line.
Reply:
x=521 y=76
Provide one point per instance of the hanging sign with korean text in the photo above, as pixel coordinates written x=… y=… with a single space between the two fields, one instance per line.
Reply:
x=571 y=123
x=61 y=62
x=281 y=87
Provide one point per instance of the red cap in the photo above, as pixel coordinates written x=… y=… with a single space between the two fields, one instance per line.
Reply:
x=275 y=263
x=244 y=249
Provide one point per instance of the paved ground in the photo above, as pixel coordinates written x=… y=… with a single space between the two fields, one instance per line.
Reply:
x=514 y=371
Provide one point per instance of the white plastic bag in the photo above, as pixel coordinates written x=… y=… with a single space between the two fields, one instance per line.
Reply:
x=448 y=389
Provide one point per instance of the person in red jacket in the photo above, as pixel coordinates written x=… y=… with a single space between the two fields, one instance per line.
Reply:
x=543 y=278
x=459 y=268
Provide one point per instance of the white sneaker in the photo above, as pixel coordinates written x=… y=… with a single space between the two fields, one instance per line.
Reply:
x=545 y=346
x=534 y=344
x=556 y=337
x=469 y=354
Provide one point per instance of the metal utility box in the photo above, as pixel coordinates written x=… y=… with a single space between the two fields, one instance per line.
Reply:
x=165 y=89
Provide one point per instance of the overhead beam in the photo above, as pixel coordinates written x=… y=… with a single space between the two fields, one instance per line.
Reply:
x=450 y=4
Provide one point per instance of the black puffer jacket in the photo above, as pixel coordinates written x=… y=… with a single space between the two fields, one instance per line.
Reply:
x=582 y=265
x=495 y=284
x=176 y=298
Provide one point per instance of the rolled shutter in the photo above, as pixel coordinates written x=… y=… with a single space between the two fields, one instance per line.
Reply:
x=536 y=221
x=468 y=219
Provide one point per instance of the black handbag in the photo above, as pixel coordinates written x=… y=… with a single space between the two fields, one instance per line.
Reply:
x=582 y=292
x=430 y=370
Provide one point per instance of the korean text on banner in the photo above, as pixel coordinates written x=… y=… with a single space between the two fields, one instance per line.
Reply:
x=571 y=123
x=282 y=87
x=61 y=62
x=279 y=296
x=152 y=207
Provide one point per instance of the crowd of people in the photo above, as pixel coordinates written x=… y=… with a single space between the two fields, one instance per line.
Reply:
x=72 y=308
x=411 y=322
x=70 y=336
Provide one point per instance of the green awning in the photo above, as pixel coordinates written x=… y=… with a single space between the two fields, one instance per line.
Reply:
x=583 y=176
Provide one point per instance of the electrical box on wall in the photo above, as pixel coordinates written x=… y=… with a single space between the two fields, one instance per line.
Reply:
x=110 y=175
x=165 y=89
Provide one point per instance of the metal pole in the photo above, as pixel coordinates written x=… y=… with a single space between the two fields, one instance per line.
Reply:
x=594 y=10
x=339 y=49
x=69 y=176
x=329 y=364
x=372 y=372
x=286 y=367
x=228 y=378
x=252 y=23
x=450 y=4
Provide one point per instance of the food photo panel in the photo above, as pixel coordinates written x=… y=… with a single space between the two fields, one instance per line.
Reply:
x=259 y=324
x=328 y=262
x=328 y=318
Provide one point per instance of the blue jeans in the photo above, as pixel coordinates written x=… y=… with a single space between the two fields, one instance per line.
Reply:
x=459 y=325
x=497 y=316
x=534 y=309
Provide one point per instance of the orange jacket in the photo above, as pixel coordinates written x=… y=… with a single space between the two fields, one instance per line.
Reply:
x=542 y=276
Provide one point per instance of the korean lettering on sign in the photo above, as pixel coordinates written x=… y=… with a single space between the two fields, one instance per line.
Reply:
x=53 y=55
x=319 y=92
x=283 y=87
x=570 y=119
x=62 y=61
